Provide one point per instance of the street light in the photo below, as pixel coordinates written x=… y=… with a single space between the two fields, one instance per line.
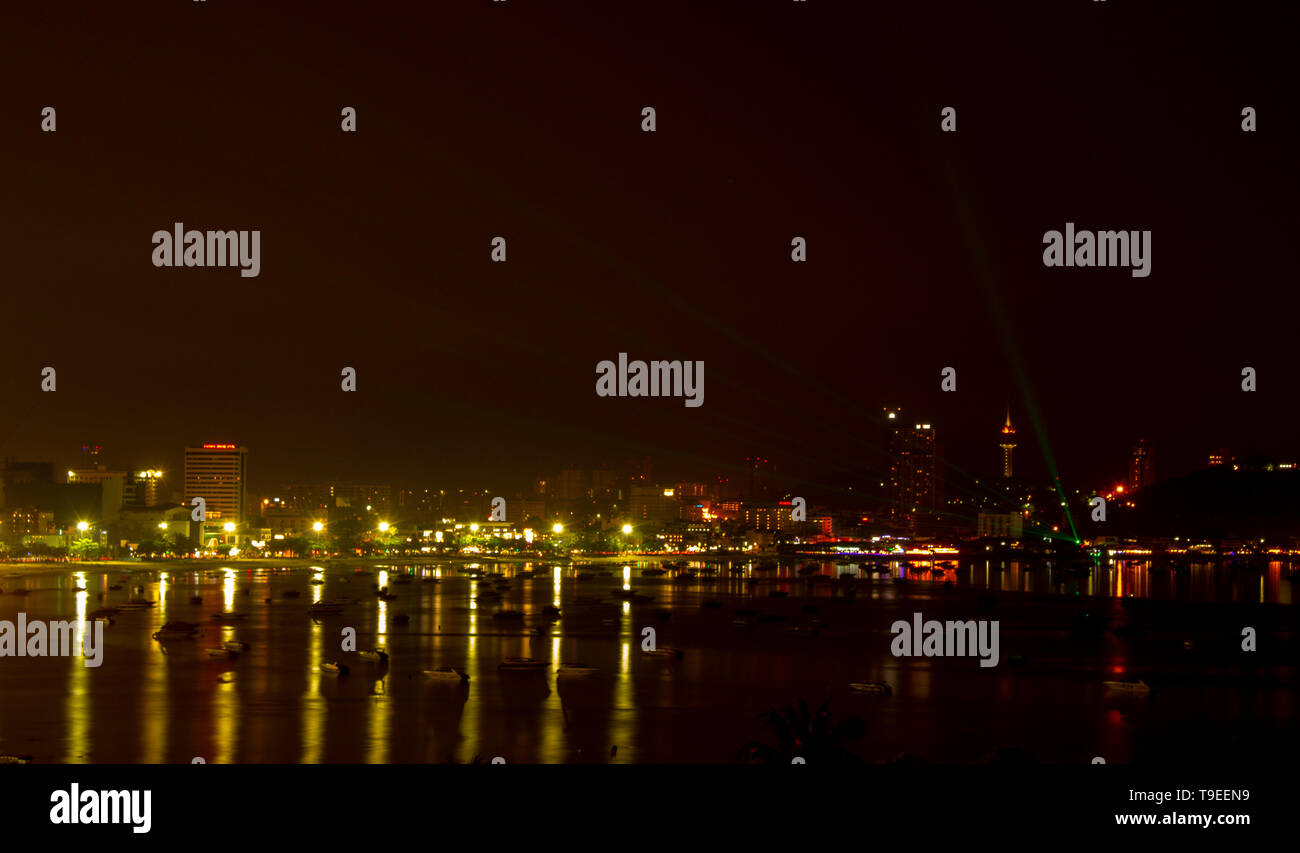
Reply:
x=83 y=526
x=318 y=527
x=383 y=527
x=229 y=527
x=162 y=525
x=627 y=528
x=473 y=528
x=557 y=528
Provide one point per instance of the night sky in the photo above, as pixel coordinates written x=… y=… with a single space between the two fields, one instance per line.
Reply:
x=522 y=119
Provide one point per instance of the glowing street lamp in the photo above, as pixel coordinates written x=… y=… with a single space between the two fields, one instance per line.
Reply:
x=473 y=528
x=627 y=528
x=229 y=527
x=162 y=525
x=383 y=527
x=318 y=527
x=557 y=528
x=83 y=526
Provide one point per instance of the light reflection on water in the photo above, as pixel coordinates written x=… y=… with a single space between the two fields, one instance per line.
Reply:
x=170 y=703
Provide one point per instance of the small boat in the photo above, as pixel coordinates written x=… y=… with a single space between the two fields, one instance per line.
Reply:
x=653 y=573
x=11 y=758
x=334 y=668
x=114 y=587
x=810 y=569
x=315 y=581
x=768 y=566
x=446 y=673
x=743 y=623
x=1135 y=686
x=711 y=604
x=402 y=619
x=880 y=687
x=778 y=593
x=229 y=617
x=290 y=593
x=586 y=576
x=522 y=664
x=220 y=652
x=235 y=646
x=105 y=614
x=374 y=654
x=550 y=611
x=176 y=629
x=137 y=604
x=575 y=670
x=805 y=630
x=508 y=615
x=663 y=652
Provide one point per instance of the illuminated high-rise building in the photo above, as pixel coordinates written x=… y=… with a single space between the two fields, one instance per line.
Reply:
x=1008 y=444
x=218 y=473
x=1140 y=470
x=760 y=471
x=913 y=474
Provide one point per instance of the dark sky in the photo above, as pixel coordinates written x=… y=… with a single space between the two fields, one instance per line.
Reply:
x=522 y=119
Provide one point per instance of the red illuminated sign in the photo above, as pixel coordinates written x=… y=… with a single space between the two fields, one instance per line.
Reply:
x=218 y=447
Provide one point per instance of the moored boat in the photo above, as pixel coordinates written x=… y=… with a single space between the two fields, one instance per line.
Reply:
x=575 y=670
x=880 y=687
x=522 y=664
x=446 y=673
x=176 y=629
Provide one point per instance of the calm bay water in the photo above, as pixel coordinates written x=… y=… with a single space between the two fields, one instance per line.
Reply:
x=169 y=702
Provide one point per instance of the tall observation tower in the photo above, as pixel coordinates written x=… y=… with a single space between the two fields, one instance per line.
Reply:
x=1008 y=444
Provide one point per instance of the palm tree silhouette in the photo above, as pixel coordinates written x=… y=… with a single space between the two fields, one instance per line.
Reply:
x=811 y=737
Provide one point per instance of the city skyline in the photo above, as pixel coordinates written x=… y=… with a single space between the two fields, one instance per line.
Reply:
x=471 y=369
